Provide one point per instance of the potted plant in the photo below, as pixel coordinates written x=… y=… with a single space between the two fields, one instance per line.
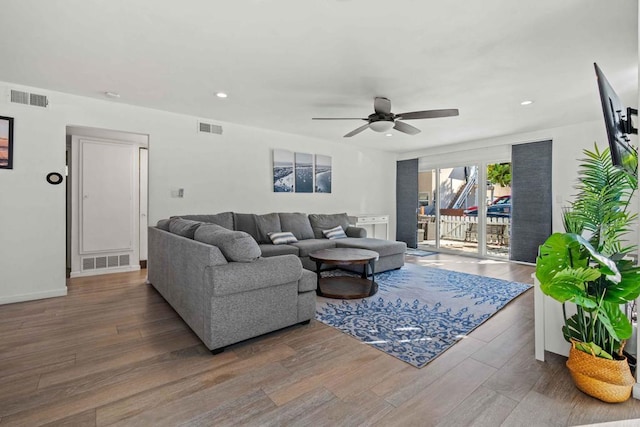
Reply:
x=586 y=267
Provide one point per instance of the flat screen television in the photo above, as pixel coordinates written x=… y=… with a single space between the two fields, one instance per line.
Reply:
x=617 y=121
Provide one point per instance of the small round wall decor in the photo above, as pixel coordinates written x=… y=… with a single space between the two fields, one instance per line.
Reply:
x=54 y=178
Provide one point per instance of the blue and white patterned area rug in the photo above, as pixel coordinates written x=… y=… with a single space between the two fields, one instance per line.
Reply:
x=419 y=312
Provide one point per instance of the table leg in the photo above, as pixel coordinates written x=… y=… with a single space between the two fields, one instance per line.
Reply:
x=318 y=291
x=374 y=285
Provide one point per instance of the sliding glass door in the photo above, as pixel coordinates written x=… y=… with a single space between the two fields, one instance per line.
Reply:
x=465 y=209
x=444 y=196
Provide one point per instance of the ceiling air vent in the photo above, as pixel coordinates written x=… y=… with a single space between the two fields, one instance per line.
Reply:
x=26 y=98
x=209 y=128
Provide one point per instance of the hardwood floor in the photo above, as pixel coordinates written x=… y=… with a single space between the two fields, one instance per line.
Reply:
x=113 y=352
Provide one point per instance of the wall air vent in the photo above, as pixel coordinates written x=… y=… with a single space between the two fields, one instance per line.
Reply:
x=205 y=127
x=105 y=262
x=26 y=98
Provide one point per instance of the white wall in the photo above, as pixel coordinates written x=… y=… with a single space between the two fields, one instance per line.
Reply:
x=218 y=173
x=568 y=143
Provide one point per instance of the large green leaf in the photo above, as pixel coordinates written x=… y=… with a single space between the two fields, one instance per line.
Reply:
x=616 y=322
x=628 y=289
x=569 y=285
x=607 y=266
x=558 y=252
x=593 y=348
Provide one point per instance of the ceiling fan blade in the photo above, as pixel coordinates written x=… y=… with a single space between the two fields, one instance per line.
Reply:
x=403 y=127
x=357 y=131
x=382 y=105
x=428 y=114
x=338 y=118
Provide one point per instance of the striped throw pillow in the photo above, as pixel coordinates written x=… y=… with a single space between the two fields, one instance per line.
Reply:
x=334 y=233
x=282 y=237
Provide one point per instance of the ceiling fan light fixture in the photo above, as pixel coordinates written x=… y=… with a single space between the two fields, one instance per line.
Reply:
x=381 y=125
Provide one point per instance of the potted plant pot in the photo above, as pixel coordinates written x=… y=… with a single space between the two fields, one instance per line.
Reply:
x=608 y=380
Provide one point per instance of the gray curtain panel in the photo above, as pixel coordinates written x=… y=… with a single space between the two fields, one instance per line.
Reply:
x=531 y=199
x=407 y=202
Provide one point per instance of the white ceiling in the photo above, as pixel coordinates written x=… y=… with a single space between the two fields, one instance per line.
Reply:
x=285 y=61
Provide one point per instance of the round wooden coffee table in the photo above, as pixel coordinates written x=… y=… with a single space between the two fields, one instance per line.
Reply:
x=346 y=287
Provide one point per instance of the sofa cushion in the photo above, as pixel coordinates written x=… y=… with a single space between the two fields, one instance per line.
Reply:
x=334 y=233
x=312 y=245
x=298 y=224
x=321 y=222
x=236 y=246
x=268 y=223
x=246 y=223
x=383 y=247
x=163 y=224
x=282 y=238
x=224 y=219
x=269 y=250
x=183 y=227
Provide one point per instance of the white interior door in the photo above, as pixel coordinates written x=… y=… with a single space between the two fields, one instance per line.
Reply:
x=107 y=197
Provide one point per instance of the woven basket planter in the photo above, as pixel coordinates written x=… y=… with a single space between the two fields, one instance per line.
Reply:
x=608 y=380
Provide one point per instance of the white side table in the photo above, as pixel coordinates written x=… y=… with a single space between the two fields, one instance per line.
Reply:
x=377 y=225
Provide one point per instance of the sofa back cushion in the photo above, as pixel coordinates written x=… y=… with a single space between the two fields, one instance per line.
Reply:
x=320 y=222
x=224 y=219
x=268 y=223
x=246 y=223
x=183 y=227
x=236 y=246
x=298 y=224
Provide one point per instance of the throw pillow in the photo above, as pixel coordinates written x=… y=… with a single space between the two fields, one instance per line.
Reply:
x=163 y=224
x=236 y=246
x=334 y=233
x=282 y=238
x=183 y=227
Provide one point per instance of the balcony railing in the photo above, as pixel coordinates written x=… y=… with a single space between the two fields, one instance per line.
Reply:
x=465 y=228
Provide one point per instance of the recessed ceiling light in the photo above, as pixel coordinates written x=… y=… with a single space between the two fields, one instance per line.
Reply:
x=221 y=95
x=527 y=102
x=112 y=94
x=388 y=134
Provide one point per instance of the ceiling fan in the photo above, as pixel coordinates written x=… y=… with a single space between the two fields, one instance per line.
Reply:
x=383 y=119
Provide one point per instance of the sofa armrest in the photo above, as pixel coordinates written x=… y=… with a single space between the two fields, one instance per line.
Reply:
x=352 y=231
x=237 y=277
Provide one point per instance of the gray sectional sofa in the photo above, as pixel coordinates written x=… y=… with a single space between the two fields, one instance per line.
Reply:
x=229 y=282
x=308 y=230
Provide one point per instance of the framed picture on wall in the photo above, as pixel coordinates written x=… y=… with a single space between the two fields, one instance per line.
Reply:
x=304 y=172
x=323 y=174
x=6 y=142
x=283 y=179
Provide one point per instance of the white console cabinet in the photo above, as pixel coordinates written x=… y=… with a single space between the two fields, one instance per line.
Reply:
x=376 y=225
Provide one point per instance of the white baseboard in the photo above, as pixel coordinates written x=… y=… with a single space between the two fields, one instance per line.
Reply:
x=34 y=296
x=100 y=271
